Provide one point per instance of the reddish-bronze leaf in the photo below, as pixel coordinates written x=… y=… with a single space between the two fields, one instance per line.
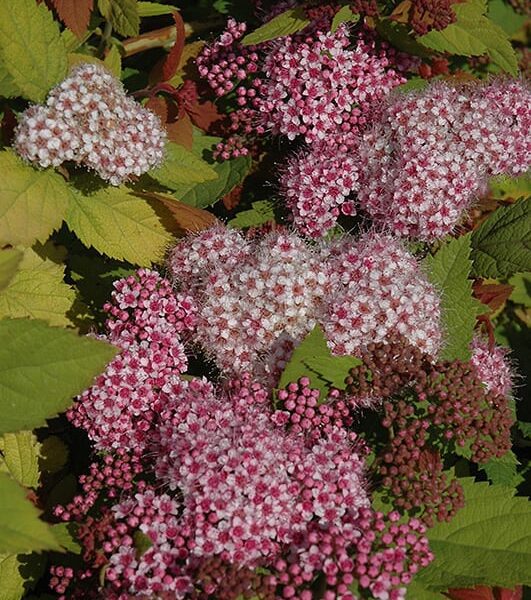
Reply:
x=159 y=106
x=493 y=295
x=401 y=13
x=481 y=592
x=181 y=131
x=179 y=218
x=75 y=14
x=204 y=114
x=507 y=594
x=173 y=59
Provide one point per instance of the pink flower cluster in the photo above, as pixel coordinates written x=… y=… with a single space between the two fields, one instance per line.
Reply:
x=321 y=89
x=492 y=366
x=256 y=297
x=431 y=154
x=89 y=119
x=146 y=321
x=248 y=486
x=380 y=290
x=264 y=290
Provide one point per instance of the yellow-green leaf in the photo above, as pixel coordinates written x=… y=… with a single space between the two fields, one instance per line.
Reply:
x=12 y=587
x=182 y=167
x=21 y=530
x=41 y=369
x=33 y=51
x=113 y=62
x=288 y=22
x=38 y=291
x=8 y=88
x=9 y=260
x=32 y=202
x=119 y=224
x=122 y=15
x=473 y=34
x=344 y=15
x=20 y=452
x=154 y=9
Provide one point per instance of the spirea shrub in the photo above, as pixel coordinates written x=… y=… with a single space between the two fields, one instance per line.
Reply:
x=263 y=300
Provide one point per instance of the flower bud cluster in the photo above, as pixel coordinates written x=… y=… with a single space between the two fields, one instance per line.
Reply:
x=89 y=119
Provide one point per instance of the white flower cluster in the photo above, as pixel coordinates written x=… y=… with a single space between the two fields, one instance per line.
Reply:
x=89 y=119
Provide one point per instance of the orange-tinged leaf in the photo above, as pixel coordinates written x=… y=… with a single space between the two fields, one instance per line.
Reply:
x=203 y=115
x=75 y=14
x=185 y=218
x=493 y=295
x=401 y=13
x=174 y=56
x=181 y=131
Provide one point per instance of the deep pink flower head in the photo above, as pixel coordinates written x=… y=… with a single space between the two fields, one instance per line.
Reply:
x=492 y=366
x=431 y=153
x=321 y=89
x=248 y=486
x=146 y=321
x=89 y=119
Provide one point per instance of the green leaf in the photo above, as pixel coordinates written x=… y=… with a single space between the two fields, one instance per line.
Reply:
x=182 y=167
x=488 y=542
x=154 y=9
x=521 y=293
x=505 y=16
x=38 y=291
x=113 y=62
x=290 y=21
x=21 y=457
x=9 y=261
x=501 y=246
x=8 y=88
x=31 y=46
x=261 y=212
x=473 y=34
x=230 y=173
x=119 y=224
x=415 y=83
x=142 y=543
x=398 y=35
x=54 y=454
x=504 y=187
x=332 y=369
x=21 y=530
x=416 y=591
x=65 y=534
x=32 y=202
x=525 y=428
x=41 y=369
x=122 y=15
x=12 y=581
x=448 y=270
x=503 y=471
x=344 y=15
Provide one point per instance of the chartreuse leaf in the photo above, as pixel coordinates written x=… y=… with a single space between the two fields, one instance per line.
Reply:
x=20 y=457
x=505 y=16
x=229 y=174
x=113 y=62
x=488 y=542
x=31 y=47
x=312 y=358
x=501 y=246
x=182 y=167
x=65 y=534
x=416 y=591
x=290 y=21
x=154 y=9
x=261 y=212
x=8 y=88
x=118 y=224
x=122 y=15
x=32 y=202
x=41 y=369
x=21 y=530
x=38 y=291
x=344 y=15
x=449 y=270
x=504 y=187
x=503 y=471
x=12 y=587
x=473 y=34
x=9 y=261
